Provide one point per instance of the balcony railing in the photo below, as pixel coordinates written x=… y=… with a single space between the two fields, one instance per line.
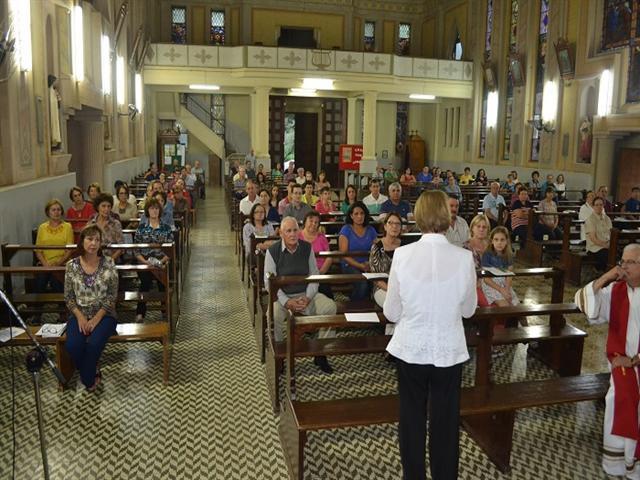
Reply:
x=203 y=56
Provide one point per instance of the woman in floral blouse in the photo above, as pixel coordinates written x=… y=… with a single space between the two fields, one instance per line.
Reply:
x=152 y=232
x=90 y=292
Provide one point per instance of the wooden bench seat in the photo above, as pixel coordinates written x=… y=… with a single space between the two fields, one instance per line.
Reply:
x=127 y=332
x=497 y=403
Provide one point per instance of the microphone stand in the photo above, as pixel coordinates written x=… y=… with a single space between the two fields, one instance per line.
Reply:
x=36 y=358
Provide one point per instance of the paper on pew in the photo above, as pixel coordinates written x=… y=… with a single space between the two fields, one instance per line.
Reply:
x=7 y=334
x=576 y=242
x=52 y=330
x=368 y=317
x=498 y=272
x=373 y=276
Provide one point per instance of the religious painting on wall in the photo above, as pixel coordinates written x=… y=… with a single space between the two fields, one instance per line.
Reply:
x=633 y=80
x=617 y=23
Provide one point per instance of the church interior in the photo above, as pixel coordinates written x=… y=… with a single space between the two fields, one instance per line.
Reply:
x=100 y=92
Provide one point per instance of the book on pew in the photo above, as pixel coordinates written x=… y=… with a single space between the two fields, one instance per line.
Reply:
x=52 y=330
x=498 y=272
x=367 y=317
x=375 y=276
x=7 y=334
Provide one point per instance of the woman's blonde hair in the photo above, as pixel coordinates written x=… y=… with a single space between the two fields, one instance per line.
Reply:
x=476 y=220
x=508 y=252
x=51 y=203
x=432 y=212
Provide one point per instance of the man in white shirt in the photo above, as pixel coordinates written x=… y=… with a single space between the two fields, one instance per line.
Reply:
x=490 y=204
x=615 y=298
x=458 y=232
x=250 y=200
x=375 y=198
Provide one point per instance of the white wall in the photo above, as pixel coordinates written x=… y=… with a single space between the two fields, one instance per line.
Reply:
x=386 y=133
x=125 y=170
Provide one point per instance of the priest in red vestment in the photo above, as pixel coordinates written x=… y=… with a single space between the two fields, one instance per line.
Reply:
x=615 y=298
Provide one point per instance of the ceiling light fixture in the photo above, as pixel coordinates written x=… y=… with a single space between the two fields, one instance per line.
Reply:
x=199 y=86
x=317 y=84
x=421 y=96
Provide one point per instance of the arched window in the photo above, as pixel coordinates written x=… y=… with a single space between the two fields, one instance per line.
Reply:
x=513 y=48
x=485 y=93
x=540 y=70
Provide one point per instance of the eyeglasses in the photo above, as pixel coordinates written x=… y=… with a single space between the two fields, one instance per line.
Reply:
x=622 y=263
x=394 y=224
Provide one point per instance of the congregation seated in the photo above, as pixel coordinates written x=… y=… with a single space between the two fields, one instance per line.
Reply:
x=549 y=182
x=152 y=173
x=490 y=204
x=309 y=198
x=375 y=199
x=301 y=179
x=324 y=204
x=603 y=192
x=520 y=215
x=452 y=188
x=391 y=175
x=466 y=178
x=561 y=187
x=311 y=233
x=240 y=178
x=351 y=196
x=534 y=185
x=180 y=203
x=477 y=244
x=357 y=235
x=151 y=231
x=166 y=213
x=116 y=187
x=269 y=205
x=509 y=185
x=458 y=232
x=108 y=223
x=55 y=231
x=597 y=229
x=256 y=226
x=632 y=205
x=90 y=292
x=296 y=208
x=284 y=203
x=290 y=174
x=180 y=185
x=585 y=212
x=250 y=199
x=395 y=202
x=407 y=179
x=481 y=178
x=548 y=224
x=499 y=290
x=292 y=256
x=381 y=255
x=424 y=176
x=123 y=205
x=93 y=190
x=79 y=209
x=147 y=196
x=276 y=172
x=322 y=182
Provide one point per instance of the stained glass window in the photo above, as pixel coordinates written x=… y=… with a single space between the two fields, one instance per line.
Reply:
x=513 y=48
x=404 y=39
x=369 y=36
x=217 y=114
x=540 y=70
x=217 y=27
x=402 y=122
x=485 y=92
x=178 y=25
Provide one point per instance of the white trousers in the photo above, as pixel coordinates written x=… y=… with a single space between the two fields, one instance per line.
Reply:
x=319 y=305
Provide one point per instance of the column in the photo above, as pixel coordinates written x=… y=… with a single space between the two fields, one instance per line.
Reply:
x=260 y=126
x=369 y=163
x=352 y=120
x=603 y=158
x=92 y=169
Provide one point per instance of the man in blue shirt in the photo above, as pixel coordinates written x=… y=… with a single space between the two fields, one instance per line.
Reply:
x=633 y=204
x=395 y=203
x=424 y=176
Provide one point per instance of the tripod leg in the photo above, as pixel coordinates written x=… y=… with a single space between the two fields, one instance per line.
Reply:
x=43 y=441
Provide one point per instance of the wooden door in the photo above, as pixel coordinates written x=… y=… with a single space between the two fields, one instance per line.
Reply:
x=334 y=133
x=276 y=129
x=628 y=173
x=306 y=141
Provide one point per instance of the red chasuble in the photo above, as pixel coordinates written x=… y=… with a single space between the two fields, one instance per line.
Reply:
x=625 y=412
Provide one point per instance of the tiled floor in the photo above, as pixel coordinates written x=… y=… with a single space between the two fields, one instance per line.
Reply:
x=214 y=421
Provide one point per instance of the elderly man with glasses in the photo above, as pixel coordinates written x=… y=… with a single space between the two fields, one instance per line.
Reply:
x=615 y=298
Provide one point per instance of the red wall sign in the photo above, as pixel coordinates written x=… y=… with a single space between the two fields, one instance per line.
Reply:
x=350 y=156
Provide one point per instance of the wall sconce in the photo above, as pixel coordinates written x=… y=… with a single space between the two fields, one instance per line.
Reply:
x=78 y=43
x=105 y=51
x=605 y=93
x=120 y=80
x=21 y=12
x=492 y=109
x=545 y=122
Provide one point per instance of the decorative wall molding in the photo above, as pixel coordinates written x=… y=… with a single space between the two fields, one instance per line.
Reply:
x=314 y=60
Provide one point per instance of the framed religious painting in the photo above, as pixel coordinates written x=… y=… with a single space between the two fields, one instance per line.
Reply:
x=516 y=70
x=633 y=79
x=566 y=58
x=616 y=28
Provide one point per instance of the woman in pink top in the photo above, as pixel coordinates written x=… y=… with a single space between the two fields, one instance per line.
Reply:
x=319 y=243
x=79 y=209
x=325 y=205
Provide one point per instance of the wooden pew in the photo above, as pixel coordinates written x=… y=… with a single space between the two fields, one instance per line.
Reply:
x=534 y=249
x=619 y=239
